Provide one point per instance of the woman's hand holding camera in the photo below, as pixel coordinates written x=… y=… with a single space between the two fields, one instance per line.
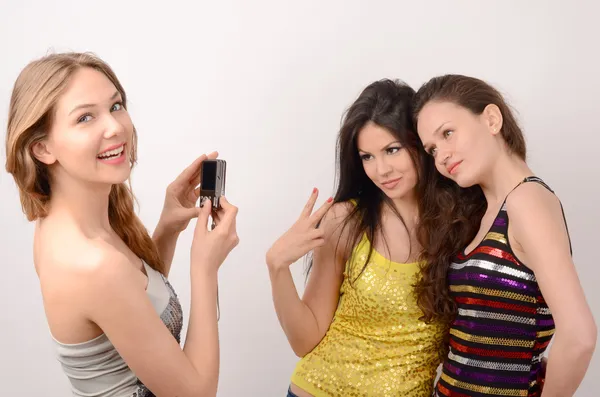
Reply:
x=210 y=248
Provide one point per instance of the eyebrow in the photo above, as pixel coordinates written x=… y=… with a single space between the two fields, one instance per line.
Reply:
x=384 y=148
x=89 y=105
x=437 y=131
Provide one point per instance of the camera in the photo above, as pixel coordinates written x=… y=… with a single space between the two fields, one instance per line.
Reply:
x=212 y=185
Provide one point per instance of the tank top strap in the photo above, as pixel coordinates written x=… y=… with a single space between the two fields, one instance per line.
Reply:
x=500 y=224
x=531 y=178
x=539 y=180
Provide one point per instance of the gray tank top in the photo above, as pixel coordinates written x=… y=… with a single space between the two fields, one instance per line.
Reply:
x=95 y=368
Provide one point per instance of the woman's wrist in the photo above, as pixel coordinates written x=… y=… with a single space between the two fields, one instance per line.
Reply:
x=165 y=229
x=204 y=271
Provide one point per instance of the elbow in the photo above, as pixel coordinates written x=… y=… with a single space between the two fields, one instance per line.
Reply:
x=212 y=388
x=585 y=349
x=301 y=350
x=302 y=347
x=587 y=339
x=304 y=343
x=300 y=353
x=589 y=342
x=205 y=386
x=206 y=390
x=582 y=340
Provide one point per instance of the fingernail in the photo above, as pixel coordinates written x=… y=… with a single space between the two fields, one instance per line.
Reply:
x=314 y=190
x=330 y=199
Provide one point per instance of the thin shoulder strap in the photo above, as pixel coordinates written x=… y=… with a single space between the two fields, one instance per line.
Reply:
x=536 y=179
x=530 y=179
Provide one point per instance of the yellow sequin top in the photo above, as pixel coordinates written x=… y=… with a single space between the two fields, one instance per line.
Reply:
x=376 y=345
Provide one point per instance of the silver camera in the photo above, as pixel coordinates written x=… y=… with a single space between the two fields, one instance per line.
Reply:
x=212 y=185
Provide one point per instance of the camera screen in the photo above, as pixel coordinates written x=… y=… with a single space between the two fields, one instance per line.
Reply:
x=209 y=175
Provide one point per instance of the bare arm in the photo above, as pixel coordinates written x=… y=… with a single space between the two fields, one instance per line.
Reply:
x=202 y=339
x=539 y=229
x=305 y=321
x=166 y=242
x=126 y=315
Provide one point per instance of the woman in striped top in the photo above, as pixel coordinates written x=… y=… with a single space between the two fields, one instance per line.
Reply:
x=514 y=287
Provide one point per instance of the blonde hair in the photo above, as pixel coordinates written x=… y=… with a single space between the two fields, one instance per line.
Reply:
x=32 y=106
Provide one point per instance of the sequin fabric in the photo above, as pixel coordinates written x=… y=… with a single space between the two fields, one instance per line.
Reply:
x=376 y=345
x=503 y=326
x=172 y=317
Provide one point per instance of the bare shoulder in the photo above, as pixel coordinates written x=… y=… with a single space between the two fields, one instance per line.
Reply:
x=75 y=255
x=337 y=230
x=71 y=265
x=532 y=197
x=336 y=217
x=76 y=274
x=537 y=224
x=531 y=194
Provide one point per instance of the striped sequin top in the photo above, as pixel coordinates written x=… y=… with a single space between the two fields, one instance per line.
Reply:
x=503 y=325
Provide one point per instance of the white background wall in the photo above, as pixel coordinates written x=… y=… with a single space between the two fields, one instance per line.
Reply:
x=265 y=83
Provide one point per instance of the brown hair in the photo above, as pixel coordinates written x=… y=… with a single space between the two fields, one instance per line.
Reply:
x=473 y=94
x=451 y=215
x=449 y=219
x=32 y=106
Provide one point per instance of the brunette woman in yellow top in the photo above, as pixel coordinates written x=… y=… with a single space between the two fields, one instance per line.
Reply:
x=365 y=325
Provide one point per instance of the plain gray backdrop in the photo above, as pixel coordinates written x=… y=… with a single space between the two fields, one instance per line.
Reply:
x=265 y=83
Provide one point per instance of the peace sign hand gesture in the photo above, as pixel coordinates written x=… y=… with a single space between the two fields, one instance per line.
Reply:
x=301 y=238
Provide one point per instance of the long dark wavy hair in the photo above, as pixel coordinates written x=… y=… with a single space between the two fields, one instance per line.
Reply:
x=386 y=103
x=389 y=104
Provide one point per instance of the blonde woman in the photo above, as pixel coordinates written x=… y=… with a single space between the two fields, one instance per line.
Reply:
x=113 y=315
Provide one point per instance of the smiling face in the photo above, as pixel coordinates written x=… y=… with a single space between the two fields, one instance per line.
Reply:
x=386 y=162
x=91 y=135
x=464 y=145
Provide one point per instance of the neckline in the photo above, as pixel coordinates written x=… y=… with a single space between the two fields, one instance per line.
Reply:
x=379 y=255
x=525 y=179
x=464 y=250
